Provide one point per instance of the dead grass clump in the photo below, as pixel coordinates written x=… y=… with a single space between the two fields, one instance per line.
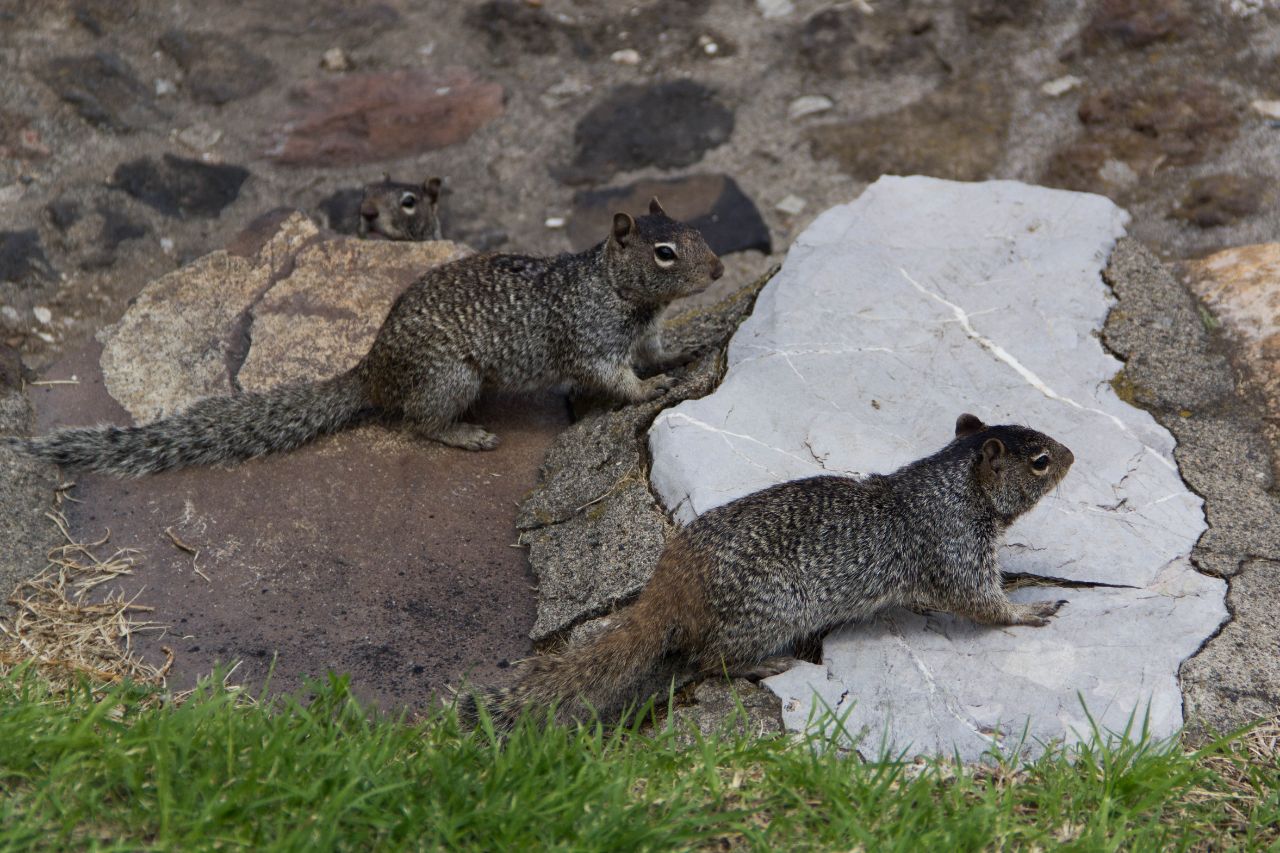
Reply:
x=69 y=635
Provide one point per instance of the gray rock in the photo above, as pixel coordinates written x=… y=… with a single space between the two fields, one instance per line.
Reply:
x=732 y=707
x=925 y=314
x=181 y=187
x=103 y=89
x=1174 y=366
x=593 y=529
x=667 y=125
x=22 y=259
x=217 y=69
x=26 y=486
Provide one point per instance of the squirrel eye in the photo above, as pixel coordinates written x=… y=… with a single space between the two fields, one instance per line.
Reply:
x=664 y=252
x=1040 y=463
x=408 y=200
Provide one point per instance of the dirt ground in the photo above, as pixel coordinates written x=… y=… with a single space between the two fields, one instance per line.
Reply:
x=137 y=136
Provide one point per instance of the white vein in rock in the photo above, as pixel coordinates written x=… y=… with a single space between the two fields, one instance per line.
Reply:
x=962 y=317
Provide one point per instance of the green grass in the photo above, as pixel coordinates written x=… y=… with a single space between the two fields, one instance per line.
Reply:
x=118 y=770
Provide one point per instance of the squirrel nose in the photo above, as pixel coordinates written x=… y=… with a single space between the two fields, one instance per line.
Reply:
x=369 y=210
x=717 y=270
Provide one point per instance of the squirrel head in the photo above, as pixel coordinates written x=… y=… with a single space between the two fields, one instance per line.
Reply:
x=1014 y=466
x=657 y=259
x=401 y=211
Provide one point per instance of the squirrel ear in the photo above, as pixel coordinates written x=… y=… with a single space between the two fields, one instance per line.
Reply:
x=623 y=225
x=431 y=188
x=992 y=454
x=655 y=208
x=968 y=424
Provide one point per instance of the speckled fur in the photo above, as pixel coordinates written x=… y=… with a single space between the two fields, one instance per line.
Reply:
x=745 y=582
x=483 y=322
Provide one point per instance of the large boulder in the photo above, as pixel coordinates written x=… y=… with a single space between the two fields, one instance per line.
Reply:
x=892 y=315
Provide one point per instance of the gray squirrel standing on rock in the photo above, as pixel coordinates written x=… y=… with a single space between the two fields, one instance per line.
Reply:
x=401 y=211
x=747 y=581
x=483 y=322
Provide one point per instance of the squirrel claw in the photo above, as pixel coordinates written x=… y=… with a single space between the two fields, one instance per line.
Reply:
x=656 y=386
x=1037 y=613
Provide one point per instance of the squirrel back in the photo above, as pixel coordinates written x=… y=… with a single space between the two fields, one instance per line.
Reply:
x=748 y=581
x=482 y=322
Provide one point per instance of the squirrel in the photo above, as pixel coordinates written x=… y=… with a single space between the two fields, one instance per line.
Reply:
x=401 y=211
x=491 y=321
x=746 y=582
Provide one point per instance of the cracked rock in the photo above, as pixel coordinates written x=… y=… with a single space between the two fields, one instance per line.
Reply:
x=924 y=315
x=187 y=335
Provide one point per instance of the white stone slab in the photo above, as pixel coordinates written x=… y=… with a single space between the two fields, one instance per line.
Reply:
x=891 y=316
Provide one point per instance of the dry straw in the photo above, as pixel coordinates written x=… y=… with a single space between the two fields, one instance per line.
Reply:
x=72 y=633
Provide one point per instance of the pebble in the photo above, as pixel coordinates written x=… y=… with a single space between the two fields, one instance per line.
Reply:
x=565 y=91
x=10 y=313
x=807 y=105
x=43 y=315
x=165 y=87
x=775 y=8
x=199 y=137
x=791 y=205
x=1061 y=86
x=45 y=336
x=166 y=245
x=1118 y=172
x=336 y=59
x=626 y=56
x=555 y=222
x=708 y=45
x=1270 y=109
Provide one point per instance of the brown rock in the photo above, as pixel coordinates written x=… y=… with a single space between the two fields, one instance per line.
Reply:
x=360 y=118
x=957 y=132
x=177 y=341
x=305 y=328
x=842 y=41
x=1135 y=23
x=216 y=68
x=103 y=89
x=1145 y=127
x=1220 y=200
x=1241 y=286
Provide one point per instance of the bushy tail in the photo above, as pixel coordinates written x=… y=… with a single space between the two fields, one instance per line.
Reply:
x=215 y=429
x=624 y=667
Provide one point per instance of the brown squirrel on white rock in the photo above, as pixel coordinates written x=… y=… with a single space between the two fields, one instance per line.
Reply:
x=741 y=585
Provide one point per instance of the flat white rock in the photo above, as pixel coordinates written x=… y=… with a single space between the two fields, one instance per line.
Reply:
x=920 y=300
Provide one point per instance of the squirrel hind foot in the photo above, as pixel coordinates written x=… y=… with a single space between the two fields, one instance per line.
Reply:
x=465 y=435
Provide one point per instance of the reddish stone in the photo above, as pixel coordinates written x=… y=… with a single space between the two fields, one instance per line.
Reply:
x=360 y=118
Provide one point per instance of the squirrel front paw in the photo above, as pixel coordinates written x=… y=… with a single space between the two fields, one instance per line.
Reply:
x=655 y=386
x=1037 y=613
